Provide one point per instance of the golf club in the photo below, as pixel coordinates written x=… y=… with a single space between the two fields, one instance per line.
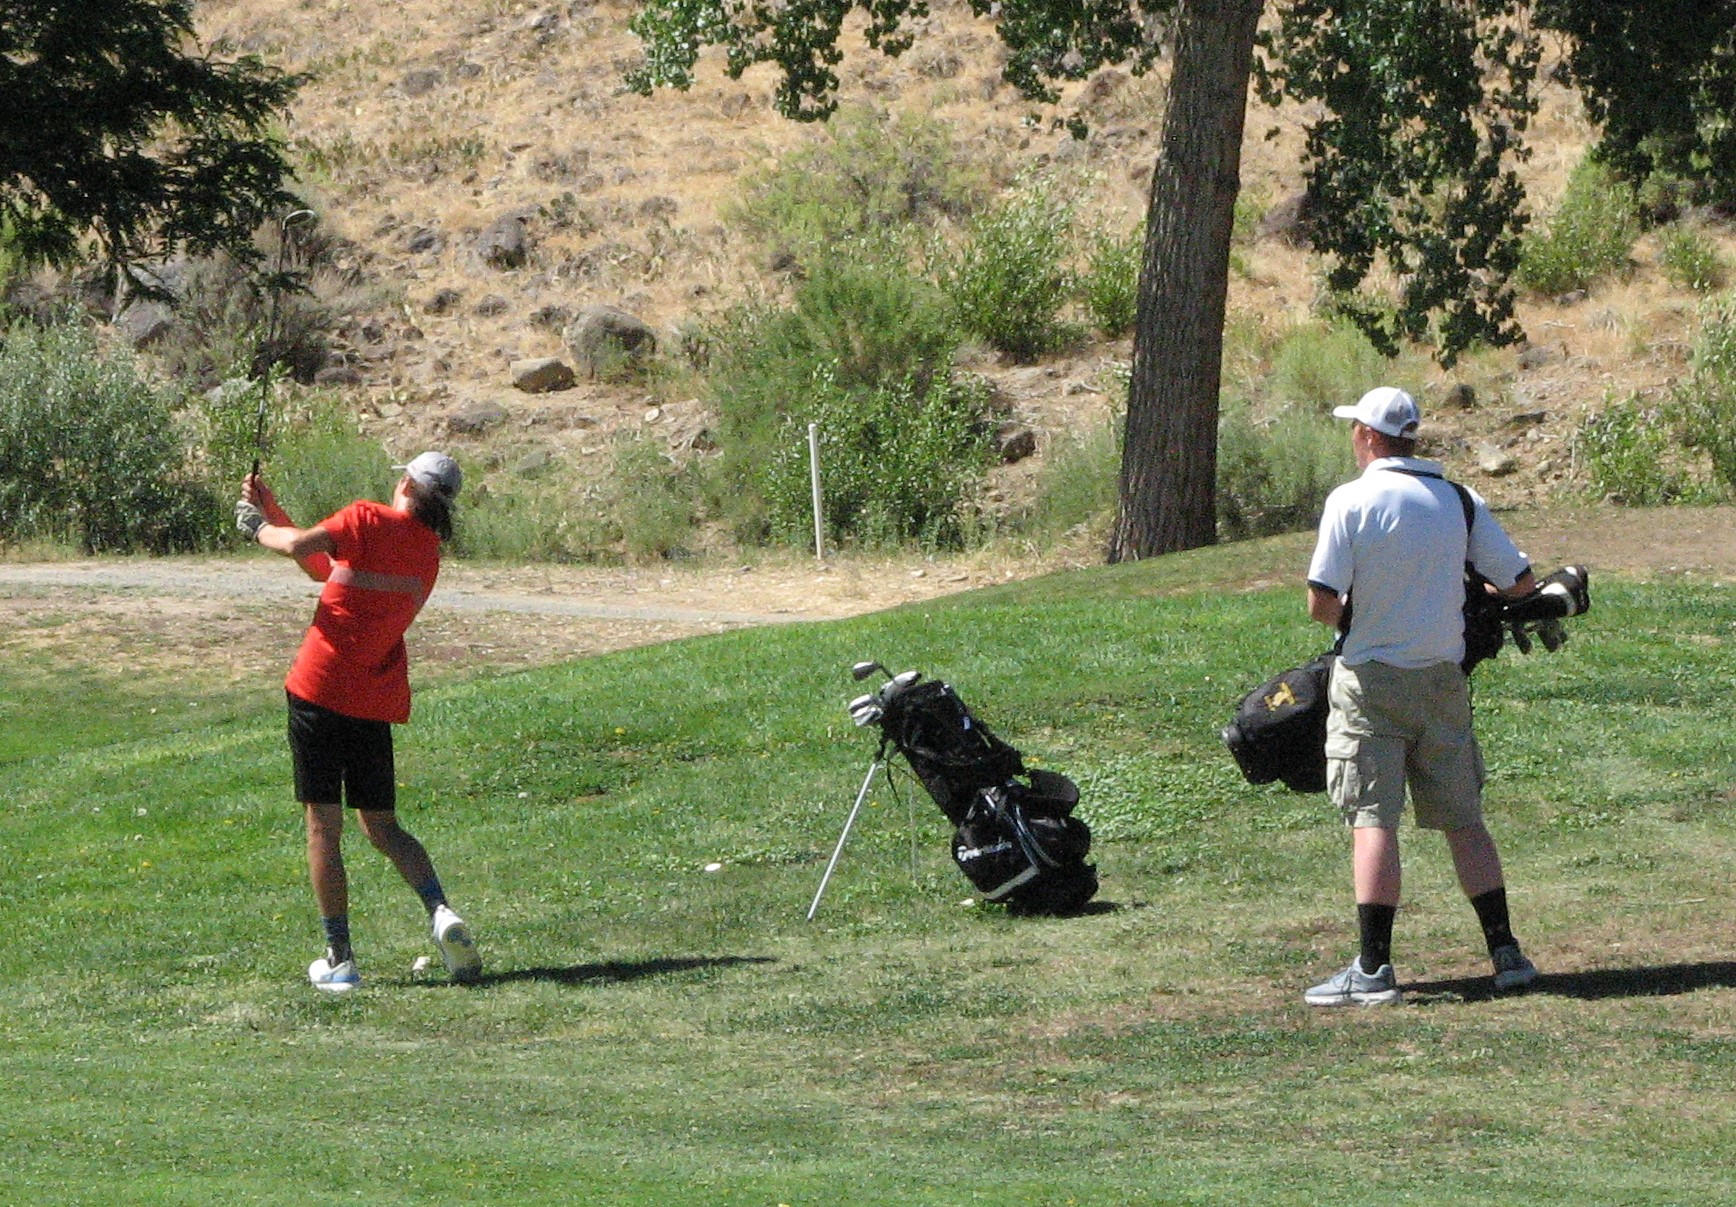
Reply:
x=294 y=218
x=862 y=670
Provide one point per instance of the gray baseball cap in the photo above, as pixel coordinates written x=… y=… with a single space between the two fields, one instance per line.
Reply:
x=436 y=471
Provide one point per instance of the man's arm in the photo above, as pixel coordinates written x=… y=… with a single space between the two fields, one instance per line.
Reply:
x=1325 y=605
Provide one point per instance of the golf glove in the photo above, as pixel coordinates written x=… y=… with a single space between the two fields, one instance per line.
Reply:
x=249 y=518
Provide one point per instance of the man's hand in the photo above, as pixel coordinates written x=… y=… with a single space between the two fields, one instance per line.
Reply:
x=248 y=518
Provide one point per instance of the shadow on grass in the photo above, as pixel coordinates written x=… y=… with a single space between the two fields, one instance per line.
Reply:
x=612 y=971
x=1661 y=981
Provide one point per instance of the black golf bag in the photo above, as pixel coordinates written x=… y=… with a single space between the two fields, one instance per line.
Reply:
x=1279 y=730
x=1015 y=837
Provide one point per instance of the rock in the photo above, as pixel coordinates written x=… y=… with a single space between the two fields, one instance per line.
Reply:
x=1460 y=398
x=1535 y=356
x=443 y=301
x=552 y=316
x=1495 y=461
x=475 y=418
x=504 y=243
x=1015 y=442
x=424 y=239
x=337 y=375
x=492 y=305
x=144 y=322
x=533 y=463
x=736 y=105
x=1101 y=87
x=1286 y=221
x=420 y=82
x=609 y=342
x=1526 y=418
x=541 y=374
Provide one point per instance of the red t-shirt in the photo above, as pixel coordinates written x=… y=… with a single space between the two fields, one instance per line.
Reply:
x=352 y=660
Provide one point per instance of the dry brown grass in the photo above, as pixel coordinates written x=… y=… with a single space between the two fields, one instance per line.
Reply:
x=523 y=113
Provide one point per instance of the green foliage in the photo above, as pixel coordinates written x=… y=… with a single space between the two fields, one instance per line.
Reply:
x=90 y=453
x=1659 y=82
x=1691 y=259
x=1109 y=283
x=871 y=176
x=1708 y=401
x=1008 y=279
x=898 y=462
x=649 y=500
x=545 y=519
x=1320 y=366
x=1079 y=480
x=1590 y=235
x=118 y=127
x=1274 y=474
x=1413 y=162
x=322 y=462
x=862 y=323
x=1628 y=452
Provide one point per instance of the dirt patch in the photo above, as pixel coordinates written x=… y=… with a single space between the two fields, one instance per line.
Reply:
x=241 y=617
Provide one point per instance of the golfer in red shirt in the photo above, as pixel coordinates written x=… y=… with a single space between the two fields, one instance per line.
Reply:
x=350 y=684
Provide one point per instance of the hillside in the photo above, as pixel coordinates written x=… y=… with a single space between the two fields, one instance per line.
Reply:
x=425 y=125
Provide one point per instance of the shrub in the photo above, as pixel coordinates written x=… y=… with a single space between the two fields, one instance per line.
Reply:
x=90 y=453
x=1707 y=404
x=1109 y=284
x=648 y=500
x=1627 y=449
x=1590 y=235
x=1320 y=366
x=1008 y=280
x=1274 y=474
x=871 y=174
x=897 y=463
x=1690 y=259
x=860 y=322
x=546 y=519
x=1080 y=480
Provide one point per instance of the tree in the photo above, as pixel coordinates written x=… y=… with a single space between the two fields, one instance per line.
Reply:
x=115 y=128
x=1411 y=162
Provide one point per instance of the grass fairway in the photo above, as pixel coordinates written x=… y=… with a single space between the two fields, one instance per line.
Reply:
x=650 y=1033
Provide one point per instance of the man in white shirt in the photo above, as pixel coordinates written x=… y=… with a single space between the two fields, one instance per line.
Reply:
x=1390 y=558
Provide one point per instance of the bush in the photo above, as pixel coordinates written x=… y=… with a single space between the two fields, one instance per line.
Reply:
x=1080 y=480
x=870 y=175
x=90 y=453
x=1708 y=402
x=1008 y=280
x=1320 y=366
x=1627 y=450
x=1274 y=475
x=861 y=322
x=1109 y=285
x=897 y=463
x=548 y=519
x=648 y=500
x=1690 y=259
x=1590 y=235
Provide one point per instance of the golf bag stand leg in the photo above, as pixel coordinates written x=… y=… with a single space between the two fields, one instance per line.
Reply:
x=867 y=782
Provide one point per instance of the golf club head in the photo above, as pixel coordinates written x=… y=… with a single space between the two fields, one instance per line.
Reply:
x=862 y=670
x=868 y=716
x=861 y=702
x=898 y=683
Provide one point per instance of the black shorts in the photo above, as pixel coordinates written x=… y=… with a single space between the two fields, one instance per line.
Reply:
x=340 y=759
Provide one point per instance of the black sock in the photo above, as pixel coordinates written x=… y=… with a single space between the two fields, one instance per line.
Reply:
x=337 y=933
x=1491 y=910
x=1375 y=923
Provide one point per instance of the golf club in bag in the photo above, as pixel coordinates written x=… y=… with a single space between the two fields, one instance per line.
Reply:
x=1014 y=835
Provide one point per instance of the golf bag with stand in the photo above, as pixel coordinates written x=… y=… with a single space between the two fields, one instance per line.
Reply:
x=1015 y=837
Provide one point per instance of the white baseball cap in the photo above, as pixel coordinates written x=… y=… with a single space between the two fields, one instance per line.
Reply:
x=1387 y=409
x=436 y=471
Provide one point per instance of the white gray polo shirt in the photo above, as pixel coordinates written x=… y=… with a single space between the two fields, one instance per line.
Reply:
x=1397 y=543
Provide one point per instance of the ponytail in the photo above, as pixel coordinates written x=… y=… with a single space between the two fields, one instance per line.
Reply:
x=432 y=508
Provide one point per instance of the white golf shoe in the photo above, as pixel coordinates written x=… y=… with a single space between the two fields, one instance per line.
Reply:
x=333 y=978
x=456 y=946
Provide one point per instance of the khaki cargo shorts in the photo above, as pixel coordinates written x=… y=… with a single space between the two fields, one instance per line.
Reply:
x=1390 y=727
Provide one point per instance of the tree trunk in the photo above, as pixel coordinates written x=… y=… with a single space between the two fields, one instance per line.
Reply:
x=1168 y=499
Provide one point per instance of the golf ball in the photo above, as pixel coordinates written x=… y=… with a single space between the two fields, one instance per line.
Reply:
x=714 y=867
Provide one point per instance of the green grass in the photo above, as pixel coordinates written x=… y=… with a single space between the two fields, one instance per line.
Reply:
x=650 y=1033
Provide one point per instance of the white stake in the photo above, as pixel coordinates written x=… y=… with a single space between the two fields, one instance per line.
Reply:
x=814 y=473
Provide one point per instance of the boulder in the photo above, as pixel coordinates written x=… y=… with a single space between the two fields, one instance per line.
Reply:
x=541 y=374
x=475 y=418
x=609 y=342
x=504 y=243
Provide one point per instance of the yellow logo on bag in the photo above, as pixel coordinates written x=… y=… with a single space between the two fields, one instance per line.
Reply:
x=1279 y=698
